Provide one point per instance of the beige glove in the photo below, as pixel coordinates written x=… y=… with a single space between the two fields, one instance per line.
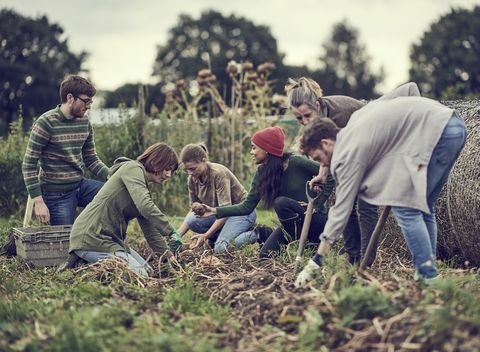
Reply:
x=308 y=273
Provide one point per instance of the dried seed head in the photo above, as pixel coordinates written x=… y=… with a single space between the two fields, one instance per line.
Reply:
x=251 y=75
x=181 y=84
x=247 y=66
x=232 y=69
x=204 y=73
x=211 y=78
x=169 y=97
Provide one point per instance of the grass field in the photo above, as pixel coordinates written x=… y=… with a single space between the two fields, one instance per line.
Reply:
x=235 y=302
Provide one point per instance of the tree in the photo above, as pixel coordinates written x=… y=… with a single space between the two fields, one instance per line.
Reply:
x=34 y=58
x=345 y=65
x=211 y=42
x=446 y=62
x=128 y=94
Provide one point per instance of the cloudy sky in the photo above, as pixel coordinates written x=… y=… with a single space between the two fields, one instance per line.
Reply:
x=122 y=36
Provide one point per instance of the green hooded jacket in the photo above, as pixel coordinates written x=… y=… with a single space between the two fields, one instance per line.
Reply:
x=102 y=225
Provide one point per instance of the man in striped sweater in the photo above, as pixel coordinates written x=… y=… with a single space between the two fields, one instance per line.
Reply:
x=62 y=143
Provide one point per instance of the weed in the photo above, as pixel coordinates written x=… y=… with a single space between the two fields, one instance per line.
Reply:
x=311 y=333
x=363 y=302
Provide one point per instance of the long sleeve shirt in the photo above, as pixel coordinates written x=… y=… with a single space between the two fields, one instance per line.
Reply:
x=299 y=171
x=383 y=154
x=62 y=147
x=220 y=187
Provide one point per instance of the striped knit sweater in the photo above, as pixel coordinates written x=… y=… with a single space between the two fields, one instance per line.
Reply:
x=63 y=147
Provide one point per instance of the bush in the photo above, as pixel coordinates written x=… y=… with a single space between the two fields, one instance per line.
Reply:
x=13 y=194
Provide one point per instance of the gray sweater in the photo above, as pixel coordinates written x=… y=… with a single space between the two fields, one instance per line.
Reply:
x=383 y=153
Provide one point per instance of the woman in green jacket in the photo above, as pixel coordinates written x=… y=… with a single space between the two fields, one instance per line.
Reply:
x=99 y=231
x=280 y=181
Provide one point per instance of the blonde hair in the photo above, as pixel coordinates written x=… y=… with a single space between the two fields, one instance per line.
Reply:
x=194 y=152
x=302 y=91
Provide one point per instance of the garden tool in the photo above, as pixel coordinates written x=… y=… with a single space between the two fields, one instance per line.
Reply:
x=28 y=212
x=306 y=224
x=375 y=235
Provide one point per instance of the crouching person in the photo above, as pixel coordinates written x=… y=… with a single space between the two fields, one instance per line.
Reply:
x=216 y=186
x=397 y=151
x=99 y=231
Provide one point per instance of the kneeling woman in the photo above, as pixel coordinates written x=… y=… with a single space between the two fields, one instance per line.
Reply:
x=280 y=181
x=99 y=231
x=214 y=185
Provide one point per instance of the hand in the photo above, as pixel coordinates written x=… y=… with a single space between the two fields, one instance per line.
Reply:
x=308 y=273
x=41 y=210
x=321 y=178
x=198 y=209
x=175 y=241
x=174 y=245
x=198 y=241
x=209 y=211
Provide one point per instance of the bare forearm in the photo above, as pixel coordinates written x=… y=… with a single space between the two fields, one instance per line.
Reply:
x=217 y=225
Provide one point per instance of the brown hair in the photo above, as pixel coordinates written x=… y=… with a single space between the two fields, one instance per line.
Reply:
x=321 y=128
x=194 y=152
x=302 y=91
x=76 y=85
x=159 y=157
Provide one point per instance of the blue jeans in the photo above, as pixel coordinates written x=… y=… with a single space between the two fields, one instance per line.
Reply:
x=419 y=228
x=134 y=260
x=62 y=205
x=236 y=232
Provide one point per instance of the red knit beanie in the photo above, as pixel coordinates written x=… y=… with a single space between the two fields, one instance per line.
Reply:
x=271 y=139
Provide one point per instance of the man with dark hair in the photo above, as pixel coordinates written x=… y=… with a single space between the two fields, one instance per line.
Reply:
x=62 y=143
x=397 y=150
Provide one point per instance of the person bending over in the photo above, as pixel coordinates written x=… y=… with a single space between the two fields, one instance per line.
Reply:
x=99 y=231
x=396 y=151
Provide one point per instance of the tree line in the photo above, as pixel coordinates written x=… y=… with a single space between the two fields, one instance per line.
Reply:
x=35 y=56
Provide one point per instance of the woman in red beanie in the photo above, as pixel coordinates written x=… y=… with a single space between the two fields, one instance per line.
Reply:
x=280 y=181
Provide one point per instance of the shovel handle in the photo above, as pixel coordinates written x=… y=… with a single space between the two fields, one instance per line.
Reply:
x=304 y=234
x=311 y=195
x=375 y=235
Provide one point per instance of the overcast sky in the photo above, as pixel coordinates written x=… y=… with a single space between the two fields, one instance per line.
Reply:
x=122 y=36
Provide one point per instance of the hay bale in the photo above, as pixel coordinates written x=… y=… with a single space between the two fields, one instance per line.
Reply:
x=458 y=207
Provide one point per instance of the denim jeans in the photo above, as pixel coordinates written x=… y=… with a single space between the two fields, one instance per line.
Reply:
x=134 y=260
x=62 y=205
x=236 y=232
x=419 y=228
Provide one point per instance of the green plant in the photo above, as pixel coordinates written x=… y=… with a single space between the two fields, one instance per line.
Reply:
x=311 y=335
x=13 y=194
x=185 y=298
x=363 y=302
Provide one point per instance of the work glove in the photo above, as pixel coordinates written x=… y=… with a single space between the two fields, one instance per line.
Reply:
x=312 y=269
x=175 y=241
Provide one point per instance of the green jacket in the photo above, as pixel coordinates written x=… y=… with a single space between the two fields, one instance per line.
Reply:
x=102 y=225
x=299 y=171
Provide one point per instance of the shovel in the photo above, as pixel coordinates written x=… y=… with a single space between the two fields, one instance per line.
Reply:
x=375 y=235
x=306 y=225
